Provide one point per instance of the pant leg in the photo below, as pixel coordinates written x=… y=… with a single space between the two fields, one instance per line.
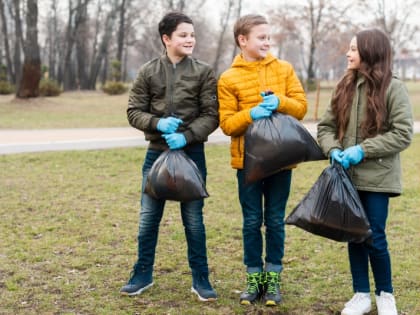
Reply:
x=192 y=218
x=376 y=252
x=151 y=212
x=379 y=257
x=276 y=189
x=250 y=198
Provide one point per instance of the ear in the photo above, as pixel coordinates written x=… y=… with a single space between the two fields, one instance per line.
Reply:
x=242 y=39
x=166 y=39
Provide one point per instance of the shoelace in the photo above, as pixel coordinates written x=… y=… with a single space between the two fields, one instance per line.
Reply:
x=253 y=282
x=272 y=281
x=133 y=273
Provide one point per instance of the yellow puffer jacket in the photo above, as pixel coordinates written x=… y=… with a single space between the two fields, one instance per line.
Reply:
x=239 y=90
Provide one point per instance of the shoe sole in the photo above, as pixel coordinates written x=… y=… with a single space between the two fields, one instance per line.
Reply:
x=139 y=291
x=270 y=303
x=350 y=313
x=202 y=298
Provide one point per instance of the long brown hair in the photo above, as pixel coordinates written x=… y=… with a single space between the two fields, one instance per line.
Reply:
x=375 y=66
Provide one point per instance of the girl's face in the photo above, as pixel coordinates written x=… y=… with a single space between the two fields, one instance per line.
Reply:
x=256 y=44
x=181 y=43
x=353 y=57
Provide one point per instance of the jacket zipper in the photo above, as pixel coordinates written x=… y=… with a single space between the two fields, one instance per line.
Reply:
x=170 y=110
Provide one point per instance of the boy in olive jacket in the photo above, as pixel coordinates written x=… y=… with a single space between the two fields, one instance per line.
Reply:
x=173 y=101
x=242 y=100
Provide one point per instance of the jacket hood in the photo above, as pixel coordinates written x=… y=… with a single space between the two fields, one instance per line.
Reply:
x=239 y=61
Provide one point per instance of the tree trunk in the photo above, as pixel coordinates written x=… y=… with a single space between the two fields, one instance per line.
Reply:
x=53 y=42
x=9 y=64
x=81 y=47
x=103 y=49
x=18 y=44
x=225 y=20
x=31 y=75
x=121 y=31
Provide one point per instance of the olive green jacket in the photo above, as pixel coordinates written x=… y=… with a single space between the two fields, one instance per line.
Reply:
x=186 y=90
x=380 y=171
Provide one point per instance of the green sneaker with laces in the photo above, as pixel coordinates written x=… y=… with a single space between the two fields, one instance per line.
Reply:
x=272 y=296
x=254 y=288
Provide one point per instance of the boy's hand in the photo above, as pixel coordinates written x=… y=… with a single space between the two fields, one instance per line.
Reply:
x=169 y=124
x=175 y=140
x=270 y=101
x=259 y=112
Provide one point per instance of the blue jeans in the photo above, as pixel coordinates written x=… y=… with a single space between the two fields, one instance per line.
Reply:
x=376 y=252
x=275 y=190
x=191 y=213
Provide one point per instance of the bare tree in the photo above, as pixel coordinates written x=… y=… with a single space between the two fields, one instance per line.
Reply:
x=101 y=59
x=29 y=85
x=224 y=19
x=315 y=20
x=17 y=61
x=399 y=20
x=121 y=33
x=9 y=65
x=52 y=41
x=76 y=18
x=82 y=53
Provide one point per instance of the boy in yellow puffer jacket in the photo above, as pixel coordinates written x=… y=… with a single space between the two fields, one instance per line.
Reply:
x=242 y=100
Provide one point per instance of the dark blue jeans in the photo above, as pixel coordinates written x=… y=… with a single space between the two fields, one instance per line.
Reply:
x=191 y=213
x=360 y=254
x=264 y=202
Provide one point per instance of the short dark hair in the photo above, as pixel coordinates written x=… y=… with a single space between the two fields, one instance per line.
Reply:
x=170 y=22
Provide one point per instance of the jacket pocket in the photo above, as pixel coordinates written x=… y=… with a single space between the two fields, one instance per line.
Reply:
x=374 y=172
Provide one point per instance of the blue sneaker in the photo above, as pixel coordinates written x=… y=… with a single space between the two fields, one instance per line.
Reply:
x=202 y=287
x=139 y=282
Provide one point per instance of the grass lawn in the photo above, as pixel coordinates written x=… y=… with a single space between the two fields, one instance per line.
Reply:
x=68 y=227
x=90 y=109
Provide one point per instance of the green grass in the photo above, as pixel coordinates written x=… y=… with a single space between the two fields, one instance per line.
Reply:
x=85 y=109
x=91 y=109
x=68 y=227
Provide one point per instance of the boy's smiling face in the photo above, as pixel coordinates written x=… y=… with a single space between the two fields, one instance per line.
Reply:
x=256 y=44
x=181 y=43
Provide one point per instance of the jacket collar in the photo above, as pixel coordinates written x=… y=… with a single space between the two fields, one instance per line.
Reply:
x=239 y=61
x=165 y=59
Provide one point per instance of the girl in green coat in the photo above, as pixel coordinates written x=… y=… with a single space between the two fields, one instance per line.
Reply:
x=368 y=123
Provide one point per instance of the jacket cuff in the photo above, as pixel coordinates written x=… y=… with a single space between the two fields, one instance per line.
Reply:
x=188 y=136
x=153 y=123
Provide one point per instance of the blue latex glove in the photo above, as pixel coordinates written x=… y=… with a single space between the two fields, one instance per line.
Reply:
x=352 y=156
x=259 y=112
x=169 y=124
x=270 y=101
x=336 y=155
x=175 y=140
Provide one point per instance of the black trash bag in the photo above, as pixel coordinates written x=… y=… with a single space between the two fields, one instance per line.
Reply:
x=273 y=143
x=174 y=176
x=332 y=208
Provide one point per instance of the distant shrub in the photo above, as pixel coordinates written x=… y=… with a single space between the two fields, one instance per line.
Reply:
x=49 y=87
x=114 y=87
x=6 y=88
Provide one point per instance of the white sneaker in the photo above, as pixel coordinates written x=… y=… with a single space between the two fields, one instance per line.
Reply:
x=358 y=305
x=385 y=303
